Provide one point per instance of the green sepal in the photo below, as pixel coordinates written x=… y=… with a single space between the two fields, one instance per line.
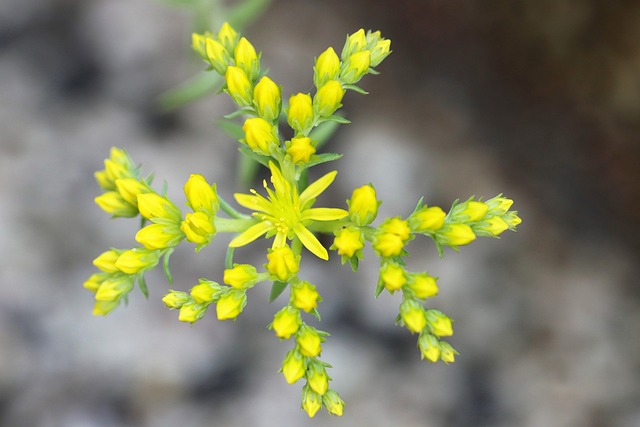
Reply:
x=323 y=158
x=379 y=287
x=142 y=284
x=336 y=118
x=354 y=262
x=276 y=289
x=399 y=319
x=373 y=71
x=419 y=205
x=440 y=249
x=165 y=264
x=356 y=89
x=241 y=111
x=316 y=314
x=263 y=160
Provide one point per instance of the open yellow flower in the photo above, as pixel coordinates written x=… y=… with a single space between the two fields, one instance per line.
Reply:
x=286 y=213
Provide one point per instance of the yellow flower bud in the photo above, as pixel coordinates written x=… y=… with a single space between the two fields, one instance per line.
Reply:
x=106 y=261
x=203 y=292
x=423 y=285
x=286 y=322
x=388 y=244
x=113 y=203
x=333 y=403
x=191 y=312
x=380 y=51
x=217 y=55
x=129 y=188
x=121 y=157
x=137 y=260
x=317 y=378
x=241 y=276
x=230 y=305
x=152 y=206
x=439 y=322
x=363 y=205
x=412 y=315
x=260 y=135
x=393 y=277
x=300 y=113
x=327 y=99
x=267 y=99
x=293 y=366
x=512 y=219
x=176 y=299
x=102 y=308
x=455 y=235
x=427 y=219
x=311 y=401
x=447 y=353
x=228 y=37
x=114 y=288
x=305 y=296
x=246 y=58
x=198 y=44
x=429 y=347
x=475 y=211
x=116 y=170
x=300 y=149
x=94 y=281
x=239 y=86
x=499 y=205
x=327 y=67
x=355 y=67
x=200 y=195
x=198 y=228
x=398 y=227
x=159 y=236
x=283 y=263
x=103 y=180
x=355 y=43
x=348 y=242
x=494 y=226
x=309 y=341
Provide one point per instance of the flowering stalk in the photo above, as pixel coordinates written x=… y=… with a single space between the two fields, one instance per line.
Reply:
x=285 y=213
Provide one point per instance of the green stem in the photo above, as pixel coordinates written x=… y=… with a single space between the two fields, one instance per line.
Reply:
x=228 y=225
x=229 y=210
x=328 y=227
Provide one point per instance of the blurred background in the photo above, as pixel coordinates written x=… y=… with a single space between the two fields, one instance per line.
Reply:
x=536 y=99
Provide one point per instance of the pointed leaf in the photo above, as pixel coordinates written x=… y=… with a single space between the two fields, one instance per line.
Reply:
x=276 y=289
x=323 y=158
x=165 y=265
x=142 y=284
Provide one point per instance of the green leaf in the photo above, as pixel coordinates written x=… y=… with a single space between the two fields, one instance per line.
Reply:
x=263 y=160
x=354 y=262
x=323 y=132
x=379 y=287
x=165 y=265
x=246 y=12
x=316 y=314
x=241 y=111
x=231 y=128
x=276 y=289
x=356 y=89
x=194 y=88
x=323 y=158
x=336 y=118
x=142 y=284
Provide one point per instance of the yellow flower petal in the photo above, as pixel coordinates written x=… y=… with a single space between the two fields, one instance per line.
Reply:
x=251 y=234
x=311 y=242
x=314 y=190
x=323 y=214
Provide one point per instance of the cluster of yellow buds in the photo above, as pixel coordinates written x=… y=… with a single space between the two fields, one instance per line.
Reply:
x=286 y=214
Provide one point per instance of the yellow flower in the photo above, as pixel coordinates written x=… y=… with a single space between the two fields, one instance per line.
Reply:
x=198 y=44
x=317 y=378
x=327 y=99
x=106 y=261
x=293 y=366
x=398 y=227
x=440 y=323
x=305 y=296
x=288 y=214
x=309 y=341
x=198 y=228
x=260 y=135
x=300 y=113
x=333 y=403
x=102 y=308
x=154 y=206
x=363 y=205
x=267 y=99
x=494 y=226
x=499 y=205
x=246 y=58
x=327 y=67
x=176 y=299
x=355 y=43
x=311 y=401
x=239 y=86
x=114 y=288
x=191 y=312
x=423 y=285
x=388 y=244
x=137 y=260
x=217 y=55
x=455 y=235
x=475 y=211
x=159 y=236
x=447 y=353
x=240 y=276
x=429 y=347
x=230 y=305
x=228 y=37
x=129 y=188
x=286 y=322
x=355 y=67
x=94 y=281
x=393 y=277
x=380 y=51
x=348 y=242
x=283 y=263
x=113 y=203
x=427 y=219
x=300 y=149
x=203 y=292
x=412 y=315
x=200 y=195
